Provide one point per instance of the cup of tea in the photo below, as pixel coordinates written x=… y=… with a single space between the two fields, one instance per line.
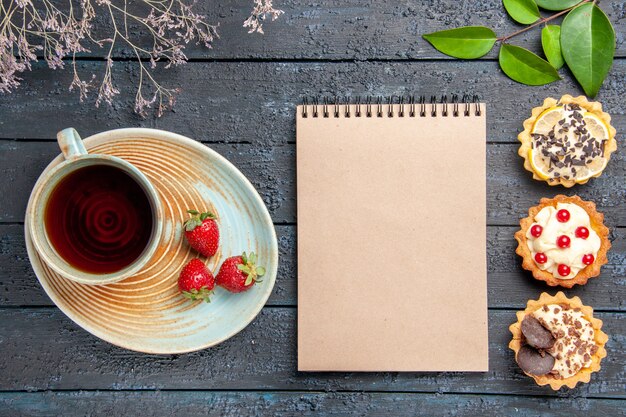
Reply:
x=94 y=219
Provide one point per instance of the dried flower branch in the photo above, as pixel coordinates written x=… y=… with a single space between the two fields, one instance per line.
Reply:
x=32 y=29
x=262 y=9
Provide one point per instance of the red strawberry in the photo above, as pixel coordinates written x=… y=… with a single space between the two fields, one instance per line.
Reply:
x=239 y=273
x=196 y=282
x=202 y=232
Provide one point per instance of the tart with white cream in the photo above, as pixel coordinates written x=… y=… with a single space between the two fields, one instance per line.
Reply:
x=557 y=341
x=563 y=241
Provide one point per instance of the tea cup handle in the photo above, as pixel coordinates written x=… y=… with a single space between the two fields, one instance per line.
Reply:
x=70 y=143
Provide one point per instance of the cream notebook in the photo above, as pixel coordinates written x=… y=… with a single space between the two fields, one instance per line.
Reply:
x=392 y=237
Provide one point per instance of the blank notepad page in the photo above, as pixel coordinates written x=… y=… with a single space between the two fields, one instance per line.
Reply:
x=391 y=240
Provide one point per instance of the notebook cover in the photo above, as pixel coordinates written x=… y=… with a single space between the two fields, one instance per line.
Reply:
x=392 y=269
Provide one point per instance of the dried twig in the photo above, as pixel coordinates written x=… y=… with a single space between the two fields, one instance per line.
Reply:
x=32 y=28
x=262 y=9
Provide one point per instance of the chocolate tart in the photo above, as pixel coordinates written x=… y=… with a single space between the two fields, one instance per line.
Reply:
x=596 y=226
x=563 y=151
x=594 y=347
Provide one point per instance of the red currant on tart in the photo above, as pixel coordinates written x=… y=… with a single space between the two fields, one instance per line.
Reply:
x=563 y=215
x=588 y=259
x=541 y=258
x=582 y=232
x=536 y=230
x=564 y=270
x=563 y=241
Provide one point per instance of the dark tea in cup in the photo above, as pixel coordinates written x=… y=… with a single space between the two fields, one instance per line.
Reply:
x=99 y=219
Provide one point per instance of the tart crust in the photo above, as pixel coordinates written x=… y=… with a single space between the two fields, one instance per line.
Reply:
x=526 y=139
x=597 y=224
x=600 y=338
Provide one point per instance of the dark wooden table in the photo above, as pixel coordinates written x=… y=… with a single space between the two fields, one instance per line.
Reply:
x=239 y=98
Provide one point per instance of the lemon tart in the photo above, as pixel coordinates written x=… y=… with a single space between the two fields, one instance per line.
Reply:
x=563 y=241
x=557 y=341
x=567 y=141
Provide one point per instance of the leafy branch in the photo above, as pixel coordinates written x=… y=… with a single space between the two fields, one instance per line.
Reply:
x=585 y=42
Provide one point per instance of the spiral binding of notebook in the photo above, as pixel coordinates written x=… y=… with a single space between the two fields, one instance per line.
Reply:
x=391 y=106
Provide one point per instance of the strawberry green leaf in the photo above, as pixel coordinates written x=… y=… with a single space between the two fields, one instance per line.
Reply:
x=468 y=42
x=244 y=257
x=260 y=271
x=194 y=212
x=522 y=11
x=588 y=45
x=190 y=294
x=207 y=215
x=244 y=268
x=192 y=224
x=525 y=67
x=249 y=280
x=551 y=42
x=194 y=294
x=557 y=4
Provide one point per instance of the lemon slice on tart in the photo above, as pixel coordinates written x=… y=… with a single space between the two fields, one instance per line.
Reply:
x=596 y=126
x=542 y=126
x=547 y=119
x=568 y=141
x=539 y=164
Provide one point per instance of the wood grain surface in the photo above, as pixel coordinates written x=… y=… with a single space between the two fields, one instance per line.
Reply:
x=300 y=403
x=354 y=29
x=511 y=191
x=254 y=101
x=508 y=285
x=43 y=350
x=239 y=98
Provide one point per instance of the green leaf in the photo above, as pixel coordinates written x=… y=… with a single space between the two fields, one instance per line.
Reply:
x=207 y=215
x=556 y=4
x=192 y=224
x=525 y=67
x=551 y=42
x=468 y=42
x=194 y=212
x=243 y=268
x=194 y=294
x=522 y=11
x=588 y=45
x=248 y=280
x=260 y=271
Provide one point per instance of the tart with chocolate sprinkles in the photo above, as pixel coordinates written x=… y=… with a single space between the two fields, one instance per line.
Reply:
x=567 y=141
x=557 y=341
x=563 y=241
